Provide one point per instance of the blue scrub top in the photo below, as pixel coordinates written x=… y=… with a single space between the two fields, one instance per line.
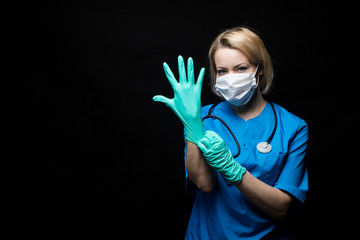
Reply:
x=226 y=213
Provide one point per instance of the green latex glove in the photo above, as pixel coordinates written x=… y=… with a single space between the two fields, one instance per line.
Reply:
x=219 y=157
x=186 y=103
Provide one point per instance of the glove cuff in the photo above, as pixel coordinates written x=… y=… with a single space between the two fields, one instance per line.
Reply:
x=236 y=176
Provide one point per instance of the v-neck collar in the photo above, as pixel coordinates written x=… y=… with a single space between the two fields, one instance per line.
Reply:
x=233 y=114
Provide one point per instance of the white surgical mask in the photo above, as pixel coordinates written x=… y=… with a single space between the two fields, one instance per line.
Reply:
x=237 y=88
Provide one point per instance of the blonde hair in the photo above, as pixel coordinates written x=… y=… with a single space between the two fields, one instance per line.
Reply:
x=252 y=46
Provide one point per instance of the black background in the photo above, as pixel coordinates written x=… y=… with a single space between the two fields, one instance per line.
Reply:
x=86 y=148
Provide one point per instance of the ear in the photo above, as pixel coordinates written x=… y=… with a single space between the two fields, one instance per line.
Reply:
x=259 y=73
x=260 y=70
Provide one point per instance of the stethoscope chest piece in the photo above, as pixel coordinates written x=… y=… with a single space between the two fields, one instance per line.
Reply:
x=264 y=147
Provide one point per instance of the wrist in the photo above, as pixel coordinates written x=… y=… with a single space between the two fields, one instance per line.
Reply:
x=194 y=131
x=236 y=175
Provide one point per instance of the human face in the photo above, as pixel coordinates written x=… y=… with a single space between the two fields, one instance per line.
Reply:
x=228 y=60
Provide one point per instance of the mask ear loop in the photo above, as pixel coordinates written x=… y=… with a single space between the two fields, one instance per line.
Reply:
x=257 y=79
x=257 y=66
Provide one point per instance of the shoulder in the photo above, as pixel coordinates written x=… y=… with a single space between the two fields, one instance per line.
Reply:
x=218 y=108
x=288 y=116
x=205 y=109
x=290 y=121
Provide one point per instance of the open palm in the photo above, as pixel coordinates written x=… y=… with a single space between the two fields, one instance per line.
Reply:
x=186 y=103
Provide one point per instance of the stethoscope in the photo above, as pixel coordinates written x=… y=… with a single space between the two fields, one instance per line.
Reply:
x=262 y=147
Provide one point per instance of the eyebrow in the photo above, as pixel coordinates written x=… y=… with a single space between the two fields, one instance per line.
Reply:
x=236 y=66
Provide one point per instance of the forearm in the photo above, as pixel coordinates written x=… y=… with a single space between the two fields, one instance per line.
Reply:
x=269 y=199
x=199 y=172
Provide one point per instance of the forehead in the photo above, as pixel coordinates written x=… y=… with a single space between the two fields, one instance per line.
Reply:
x=229 y=57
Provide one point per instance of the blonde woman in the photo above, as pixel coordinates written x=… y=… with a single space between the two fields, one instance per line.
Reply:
x=244 y=156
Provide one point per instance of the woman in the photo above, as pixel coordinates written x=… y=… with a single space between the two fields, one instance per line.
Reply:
x=244 y=189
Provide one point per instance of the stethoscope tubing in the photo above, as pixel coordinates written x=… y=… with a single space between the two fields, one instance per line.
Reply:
x=268 y=141
x=229 y=129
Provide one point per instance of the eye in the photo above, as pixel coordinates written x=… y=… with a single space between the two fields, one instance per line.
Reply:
x=221 y=72
x=242 y=69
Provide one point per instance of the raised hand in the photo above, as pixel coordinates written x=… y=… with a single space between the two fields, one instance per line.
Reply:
x=186 y=103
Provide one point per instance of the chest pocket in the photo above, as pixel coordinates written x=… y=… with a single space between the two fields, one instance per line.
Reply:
x=268 y=166
x=265 y=166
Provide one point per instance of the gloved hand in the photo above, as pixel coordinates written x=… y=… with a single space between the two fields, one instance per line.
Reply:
x=186 y=103
x=219 y=157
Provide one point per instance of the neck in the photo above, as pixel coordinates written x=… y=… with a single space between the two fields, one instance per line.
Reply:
x=253 y=108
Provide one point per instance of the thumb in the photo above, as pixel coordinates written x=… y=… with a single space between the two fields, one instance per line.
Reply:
x=159 y=98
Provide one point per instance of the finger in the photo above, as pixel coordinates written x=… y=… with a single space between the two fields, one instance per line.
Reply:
x=165 y=100
x=200 y=78
x=182 y=73
x=190 y=70
x=170 y=76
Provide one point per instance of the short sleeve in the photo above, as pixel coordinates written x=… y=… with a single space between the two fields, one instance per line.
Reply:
x=294 y=177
